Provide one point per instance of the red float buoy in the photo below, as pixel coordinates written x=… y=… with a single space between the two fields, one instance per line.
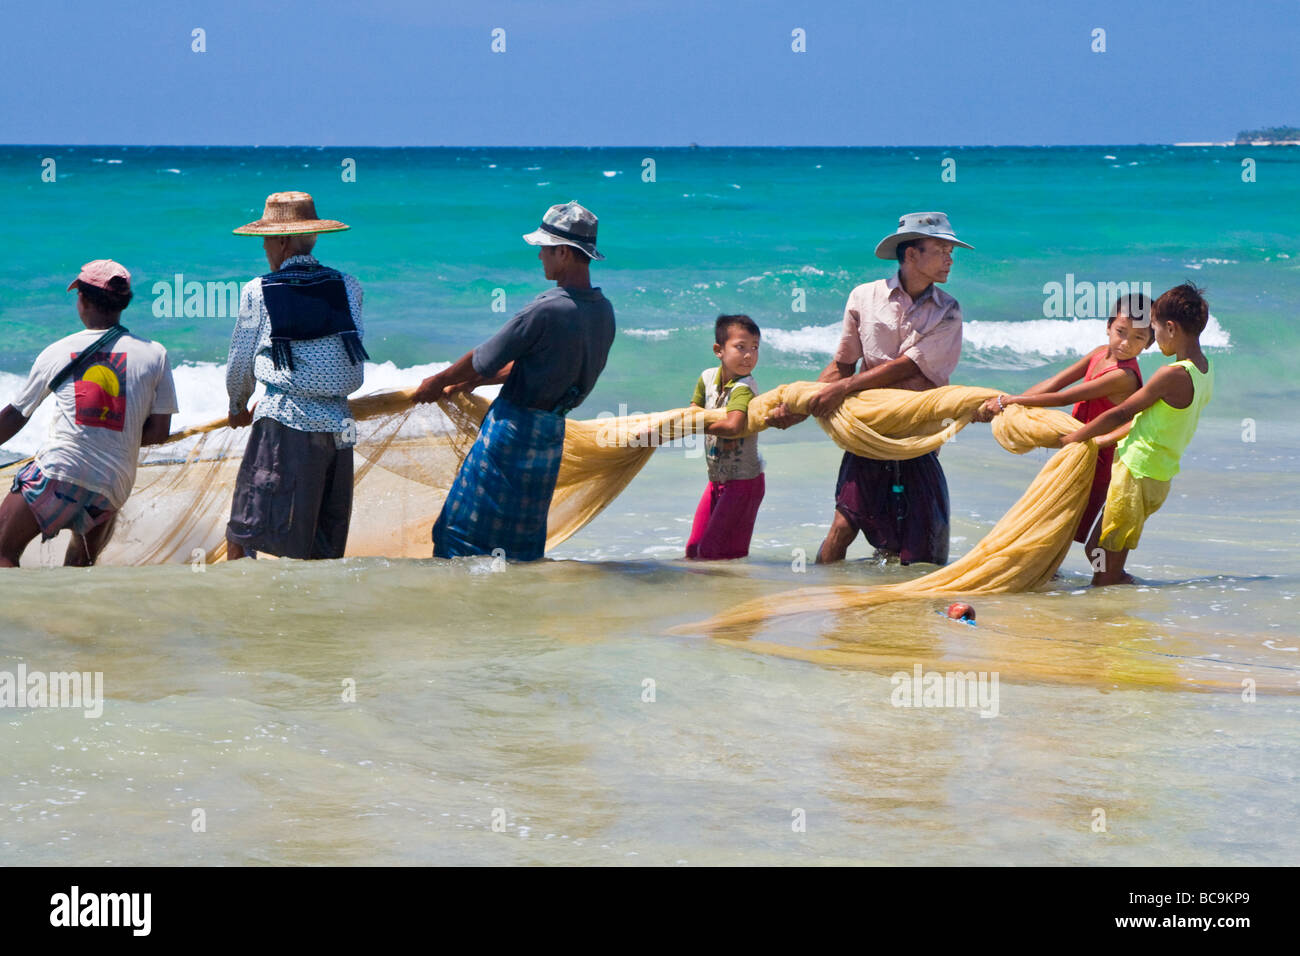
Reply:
x=961 y=612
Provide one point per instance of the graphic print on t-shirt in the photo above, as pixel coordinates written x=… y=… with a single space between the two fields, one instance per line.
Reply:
x=101 y=392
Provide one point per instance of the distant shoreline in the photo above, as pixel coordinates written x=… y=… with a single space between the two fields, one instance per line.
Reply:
x=1253 y=142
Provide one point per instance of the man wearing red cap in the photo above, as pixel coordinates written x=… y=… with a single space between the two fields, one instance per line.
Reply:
x=114 y=393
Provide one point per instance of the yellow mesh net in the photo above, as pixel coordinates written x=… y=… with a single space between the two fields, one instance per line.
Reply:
x=407 y=457
x=1021 y=552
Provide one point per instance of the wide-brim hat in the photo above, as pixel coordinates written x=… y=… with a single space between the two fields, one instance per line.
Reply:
x=568 y=224
x=290 y=214
x=919 y=225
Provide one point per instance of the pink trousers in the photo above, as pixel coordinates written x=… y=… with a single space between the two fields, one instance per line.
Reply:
x=724 y=519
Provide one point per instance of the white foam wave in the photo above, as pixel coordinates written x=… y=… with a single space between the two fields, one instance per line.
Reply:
x=810 y=340
x=1027 y=344
x=200 y=395
x=650 y=333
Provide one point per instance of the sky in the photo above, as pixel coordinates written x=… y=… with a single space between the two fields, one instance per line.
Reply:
x=642 y=73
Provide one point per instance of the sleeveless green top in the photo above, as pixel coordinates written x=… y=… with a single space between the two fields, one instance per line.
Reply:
x=1161 y=433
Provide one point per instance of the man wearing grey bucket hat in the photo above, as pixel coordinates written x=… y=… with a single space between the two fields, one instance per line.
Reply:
x=906 y=333
x=548 y=357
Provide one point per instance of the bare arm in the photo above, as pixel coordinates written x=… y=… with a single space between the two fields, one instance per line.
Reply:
x=1064 y=377
x=156 y=429
x=733 y=426
x=11 y=423
x=1172 y=381
x=459 y=372
x=841 y=383
x=837 y=371
x=1112 y=383
x=783 y=418
x=882 y=376
x=1114 y=438
x=470 y=384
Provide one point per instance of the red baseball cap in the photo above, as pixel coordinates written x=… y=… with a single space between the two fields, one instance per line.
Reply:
x=99 y=272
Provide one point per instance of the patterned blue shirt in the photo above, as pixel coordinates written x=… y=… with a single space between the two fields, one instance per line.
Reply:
x=313 y=397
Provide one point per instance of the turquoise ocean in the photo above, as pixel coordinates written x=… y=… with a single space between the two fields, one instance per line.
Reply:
x=505 y=717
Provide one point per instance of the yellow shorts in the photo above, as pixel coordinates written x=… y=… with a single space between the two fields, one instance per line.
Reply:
x=1129 y=502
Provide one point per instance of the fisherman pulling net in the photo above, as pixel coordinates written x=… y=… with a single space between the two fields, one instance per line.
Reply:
x=408 y=457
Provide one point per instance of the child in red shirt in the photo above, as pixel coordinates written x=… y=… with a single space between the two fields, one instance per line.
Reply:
x=1110 y=374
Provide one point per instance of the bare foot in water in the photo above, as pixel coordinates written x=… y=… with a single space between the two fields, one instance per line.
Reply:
x=1099 y=582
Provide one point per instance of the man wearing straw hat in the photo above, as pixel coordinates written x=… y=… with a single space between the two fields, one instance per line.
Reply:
x=113 y=392
x=549 y=357
x=906 y=332
x=299 y=334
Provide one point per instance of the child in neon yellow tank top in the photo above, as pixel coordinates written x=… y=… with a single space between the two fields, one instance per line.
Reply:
x=1155 y=423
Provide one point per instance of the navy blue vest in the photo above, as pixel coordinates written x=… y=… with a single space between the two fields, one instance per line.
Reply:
x=308 y=302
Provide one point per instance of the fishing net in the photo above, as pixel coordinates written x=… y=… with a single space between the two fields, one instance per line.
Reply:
x=406 y=457
x=1021 y=552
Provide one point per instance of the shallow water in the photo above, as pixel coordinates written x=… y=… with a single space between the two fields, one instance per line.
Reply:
x=519 y=697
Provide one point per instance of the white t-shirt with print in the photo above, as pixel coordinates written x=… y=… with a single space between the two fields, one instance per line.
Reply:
x=94 y=438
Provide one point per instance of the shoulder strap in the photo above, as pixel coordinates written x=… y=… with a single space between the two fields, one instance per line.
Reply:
x=87 y=355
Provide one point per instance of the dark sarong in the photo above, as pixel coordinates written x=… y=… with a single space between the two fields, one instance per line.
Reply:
x=901 y=506
x=293 y=494
x=502 y=493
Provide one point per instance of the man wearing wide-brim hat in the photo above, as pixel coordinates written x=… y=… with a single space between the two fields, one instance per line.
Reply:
x=299 y=335
x=548 y=357
x=906 y=333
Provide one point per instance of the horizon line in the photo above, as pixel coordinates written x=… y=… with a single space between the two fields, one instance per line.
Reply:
x=688 y=146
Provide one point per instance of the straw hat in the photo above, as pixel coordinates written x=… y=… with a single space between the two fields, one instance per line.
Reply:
x=919 y=225
x=290 y=214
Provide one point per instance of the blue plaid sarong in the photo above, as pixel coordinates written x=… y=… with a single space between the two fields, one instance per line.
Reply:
x=502 y=493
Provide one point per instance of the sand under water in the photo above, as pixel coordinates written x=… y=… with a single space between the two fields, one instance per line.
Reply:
x=418 y=711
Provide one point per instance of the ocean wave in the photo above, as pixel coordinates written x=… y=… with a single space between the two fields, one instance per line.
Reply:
x=1198 y=263
x=1001 y=345
x=200 y=395
x=650 y=333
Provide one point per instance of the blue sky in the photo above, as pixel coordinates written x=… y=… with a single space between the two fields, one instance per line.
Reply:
x=636 y=72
